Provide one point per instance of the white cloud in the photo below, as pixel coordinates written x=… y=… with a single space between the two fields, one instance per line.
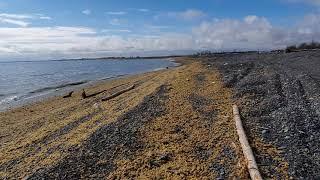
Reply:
x=115 y=22
x=116 y=30
x=45 y=17
x=21 y=19
x=249 y=33
x=156 y=27
x=251 y=19
x=189 y=14
x=16 y=16
x=116 y=13
x=15 y=19
x=79 y=41
x=143 y=10
x=86 y=12
x=254 y=33
x=14 y=22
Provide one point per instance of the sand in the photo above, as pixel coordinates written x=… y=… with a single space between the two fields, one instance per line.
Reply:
x=175 y=124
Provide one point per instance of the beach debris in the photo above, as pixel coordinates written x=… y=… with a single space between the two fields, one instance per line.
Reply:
x=84 y=95
x=95 y=94
x=26 y=177
x=118 y=93
x=157 y=161
x=68 y=95
x=247 y=151
x=166 y=157
x=97 y=106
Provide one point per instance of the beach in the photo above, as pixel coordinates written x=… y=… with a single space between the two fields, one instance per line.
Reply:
x=169 y=116
x=175 y=124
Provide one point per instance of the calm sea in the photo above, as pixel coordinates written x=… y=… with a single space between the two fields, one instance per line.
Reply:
x=22 y=82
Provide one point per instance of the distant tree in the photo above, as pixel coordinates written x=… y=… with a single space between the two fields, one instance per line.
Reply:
x=291 y=49
x=303 y=46
x=314 y=45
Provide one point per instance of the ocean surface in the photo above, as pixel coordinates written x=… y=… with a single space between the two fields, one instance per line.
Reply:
x=23 y=82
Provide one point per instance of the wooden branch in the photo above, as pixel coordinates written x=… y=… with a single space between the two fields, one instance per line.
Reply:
x=68 y=95
x=84 y=95
x=95 y=94
x=118 y=93
x=247 y=151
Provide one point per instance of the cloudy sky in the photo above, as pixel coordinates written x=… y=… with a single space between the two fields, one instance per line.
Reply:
x=46 y=29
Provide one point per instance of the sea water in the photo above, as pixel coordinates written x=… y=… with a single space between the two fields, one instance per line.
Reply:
x=22 y=82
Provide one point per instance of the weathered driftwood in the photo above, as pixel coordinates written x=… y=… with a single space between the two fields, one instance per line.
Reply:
x=247 y=151
x=118 y=93
x=84 y=94
x=95 y=94
x=68 y=95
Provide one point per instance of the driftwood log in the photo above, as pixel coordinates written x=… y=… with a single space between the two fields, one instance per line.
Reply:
x=68 y=95
x=247 y=151
x=84 y=94
x=118 y=93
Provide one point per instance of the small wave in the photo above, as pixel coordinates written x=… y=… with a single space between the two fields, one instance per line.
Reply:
x=113 y=77
x=8 y=94
x=9 y=99
x=58 y=87
x=39 y=75
x=85 y=74
x=158 y=69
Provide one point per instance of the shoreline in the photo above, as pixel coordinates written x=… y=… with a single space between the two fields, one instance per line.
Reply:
x=60 y=90
x=174 y=124
x=38 y=138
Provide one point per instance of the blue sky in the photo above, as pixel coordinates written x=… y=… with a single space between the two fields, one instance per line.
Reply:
x=45 y=29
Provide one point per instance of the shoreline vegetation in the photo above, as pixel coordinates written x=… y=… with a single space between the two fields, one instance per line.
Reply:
x=174 y=123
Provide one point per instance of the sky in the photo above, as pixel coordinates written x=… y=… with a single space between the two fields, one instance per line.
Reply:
x=46 y=29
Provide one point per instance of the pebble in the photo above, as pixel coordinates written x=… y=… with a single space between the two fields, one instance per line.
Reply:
x=284 y=90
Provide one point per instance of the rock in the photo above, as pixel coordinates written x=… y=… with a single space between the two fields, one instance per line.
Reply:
x=97 y=106
x=165 y=158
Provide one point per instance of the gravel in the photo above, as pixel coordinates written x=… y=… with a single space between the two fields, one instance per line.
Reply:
x=95 y=158
x=279 y=96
